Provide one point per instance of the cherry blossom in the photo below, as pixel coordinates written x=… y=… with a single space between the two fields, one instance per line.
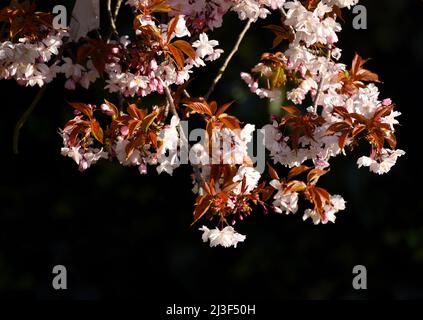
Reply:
x=227 y=237
x=381 y=164
x=337 y=203
x=284 y=201
x=329 y=106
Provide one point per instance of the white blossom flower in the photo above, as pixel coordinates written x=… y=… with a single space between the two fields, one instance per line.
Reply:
x=382 y=164
x=167 y=154
x=181 y=29
x=337 y=203
x=226 y=237
x=342 y=3
x=249 y=9
x=284 y=201
x=120 y=149
x=204 y=45
x=198 y=155
x=252 y=177
x=310 y=26
x=27 y=62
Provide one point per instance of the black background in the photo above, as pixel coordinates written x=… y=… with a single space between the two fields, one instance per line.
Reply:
x=124 y=235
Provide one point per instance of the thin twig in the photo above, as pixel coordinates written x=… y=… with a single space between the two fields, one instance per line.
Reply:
x=186 y=94
x=118 y=4
x=170 y=101
x=166 y=111
x=111 y=18
x=228 y=59
x=25 y=117
x=320 y=86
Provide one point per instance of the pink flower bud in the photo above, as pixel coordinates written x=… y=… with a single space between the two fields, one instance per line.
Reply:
x=325 y=219
x=143 y=168
x=70 y=84
x=387 y=102
x=124 y=130
x=83 y=165
x=153 y=65
x=107 y=110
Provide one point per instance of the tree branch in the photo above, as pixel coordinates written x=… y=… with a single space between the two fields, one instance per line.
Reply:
x=319 y=87
x=170 y=101
x=166 y=111
x=111 y=18
x=186 y=94
x=228 y=59
x=118 y=4
x=25 y=117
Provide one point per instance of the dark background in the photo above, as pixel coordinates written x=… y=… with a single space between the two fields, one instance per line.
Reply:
x=124 y=235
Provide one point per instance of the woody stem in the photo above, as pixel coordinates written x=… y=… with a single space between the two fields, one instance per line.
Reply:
x=228 y=59
x=25 y=117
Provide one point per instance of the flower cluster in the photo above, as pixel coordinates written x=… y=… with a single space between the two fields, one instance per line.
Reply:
x=133 y=138
x=27 y=52
x=328 y=108
x=210 y=12
x=162 y=54
x=166 y=61
x=345 y=107
x=76 y=73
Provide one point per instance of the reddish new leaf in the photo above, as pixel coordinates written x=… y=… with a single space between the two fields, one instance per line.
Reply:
x=383 y=112
x=113 y=107
x=199 y=107
x=292 y=110
x=272 y=172
x=177 y=55
x=135 y=113
x=223 y=108
x=314 y=175
x=297 y=171
x=201 y=207
x=83 y=108
x=185 y=47
x=230 y=122
x=97 y=131
x=171 y=27
x=147 y=121
x=337 y=127
x=343 y=139
x=133 y=126
x=295 y=186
